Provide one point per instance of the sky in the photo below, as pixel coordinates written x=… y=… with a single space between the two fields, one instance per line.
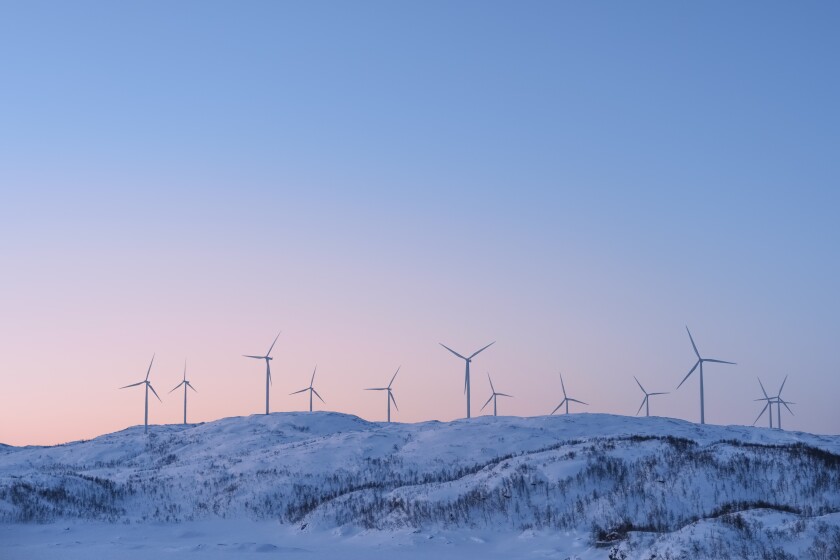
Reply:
x=577 y=181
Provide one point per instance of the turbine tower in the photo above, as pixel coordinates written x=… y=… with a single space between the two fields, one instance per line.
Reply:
x=493 y=396
x=646 y=400
x=186 y=384
x=267 y=359
x=700 y=362
x=311 y=390
x=390 y=396
x=566 y=398
x=148 y=385
x=467 y=374
x=767 y=406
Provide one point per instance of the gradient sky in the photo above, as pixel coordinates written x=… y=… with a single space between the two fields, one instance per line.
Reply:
x=576 y=180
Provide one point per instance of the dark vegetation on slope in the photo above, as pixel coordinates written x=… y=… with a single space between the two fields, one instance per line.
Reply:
x=611 y=485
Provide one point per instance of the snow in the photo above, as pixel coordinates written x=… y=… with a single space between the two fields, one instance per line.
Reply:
x=209 y=540
x=294 y=484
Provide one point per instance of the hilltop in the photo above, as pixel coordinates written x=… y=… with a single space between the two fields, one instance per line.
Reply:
x=612 y=484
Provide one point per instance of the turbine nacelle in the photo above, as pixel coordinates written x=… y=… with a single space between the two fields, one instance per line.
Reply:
x=148 y=384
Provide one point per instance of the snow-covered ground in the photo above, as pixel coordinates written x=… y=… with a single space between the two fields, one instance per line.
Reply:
x=330 y=485
x=210 y=540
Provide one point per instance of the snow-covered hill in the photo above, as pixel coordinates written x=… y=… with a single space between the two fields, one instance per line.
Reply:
x=636 y=486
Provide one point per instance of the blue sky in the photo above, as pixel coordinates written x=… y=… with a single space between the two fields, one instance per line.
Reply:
x=578 y=180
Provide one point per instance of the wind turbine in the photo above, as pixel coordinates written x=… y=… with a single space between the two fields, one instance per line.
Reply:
x=779 y=402
x=700 y=362
x=148 y=386
x=390 y=393
x=186 y=384
x=267 y=359
x=767 y=406
x=646 y=400
x=493 y=396
x=311 y=390
x=467 y=374
x=566 y=398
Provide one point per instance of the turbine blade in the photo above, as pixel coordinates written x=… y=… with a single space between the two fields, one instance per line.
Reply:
x=760 y=414
x=556 y=409
x=191 y=387
x=133 y=385
x=155 y=392
x=451 y=350
x=651 y=394
x=178 y=385
x=640 y=387
x=641 y=405
x=719 y=361
x=762 y=389
x=787 y=407
x=272 y=344
x=185 y=369
x=491 y=383
x=577 y=401
x=312 y=381
x=503 y=395
x=257 y=357
x=377 y=389
x=301 y=391
x=477 y=352
x=689 y=374
x=783 y=386
x=319 y=396
x=488 y=402
x=393 y=400
x=563 y=385
x=691 y=338
x=395 y=376
x=150 y=367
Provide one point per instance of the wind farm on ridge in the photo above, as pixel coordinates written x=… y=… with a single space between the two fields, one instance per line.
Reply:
x=563 y=403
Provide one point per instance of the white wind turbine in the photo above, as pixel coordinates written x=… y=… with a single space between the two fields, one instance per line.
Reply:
x=779 y=402
x=311 y=390
x=467 y=374
x=186 y=384
x=700 y=362
x=148 y=386
x=267 y=359
x=390 y=397
x=566 y=398
x=493 y=396
x=767 y=406
x=646 y=400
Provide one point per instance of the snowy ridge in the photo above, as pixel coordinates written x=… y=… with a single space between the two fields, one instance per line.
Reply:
x=630 y=484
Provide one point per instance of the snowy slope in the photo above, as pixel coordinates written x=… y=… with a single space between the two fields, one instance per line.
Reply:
x=635 y=485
